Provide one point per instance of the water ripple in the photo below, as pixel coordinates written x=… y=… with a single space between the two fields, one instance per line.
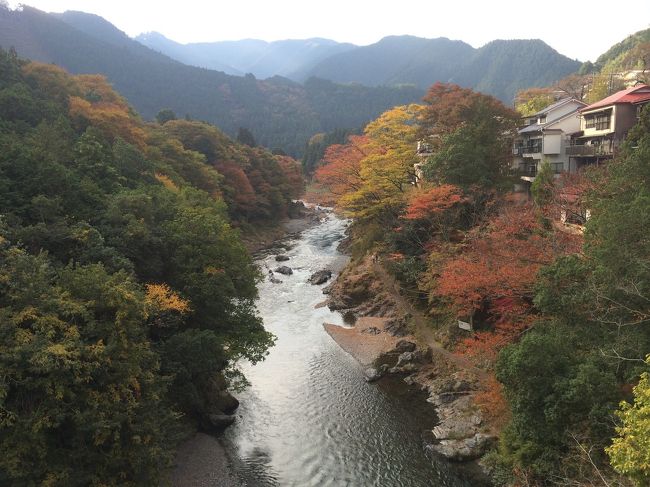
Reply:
x=309 y=418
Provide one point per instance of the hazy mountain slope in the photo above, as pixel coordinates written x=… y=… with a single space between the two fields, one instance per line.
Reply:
x=503 y=67
x=289 y=58
x=280 y=113
x=396 y=59
x=499 y=68
x=196 y=56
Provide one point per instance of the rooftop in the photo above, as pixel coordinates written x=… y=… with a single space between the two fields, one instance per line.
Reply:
x=636 y=94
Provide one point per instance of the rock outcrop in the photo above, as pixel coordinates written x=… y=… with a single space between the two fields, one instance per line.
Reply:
x=320 y=277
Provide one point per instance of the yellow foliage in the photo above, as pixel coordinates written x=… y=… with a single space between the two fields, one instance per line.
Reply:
x=163 y=298
x=113 y=119
x=630 y=450
x=166 y=182
x=52 y=79
x=213 y=271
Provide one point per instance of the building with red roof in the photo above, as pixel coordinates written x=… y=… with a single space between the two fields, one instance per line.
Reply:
x=605 y=124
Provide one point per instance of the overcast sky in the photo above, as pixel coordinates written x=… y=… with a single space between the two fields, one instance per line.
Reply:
x=579 y=29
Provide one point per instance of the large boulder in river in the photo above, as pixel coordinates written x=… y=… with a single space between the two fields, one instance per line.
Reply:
x=226 y=402
x=320 y=277
x=215 y=423
x=283 y=269
x=372 y=374
x=281 y=258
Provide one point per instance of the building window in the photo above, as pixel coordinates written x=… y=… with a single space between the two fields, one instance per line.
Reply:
x=590 y=122
x=602 y=121
x=542 y=119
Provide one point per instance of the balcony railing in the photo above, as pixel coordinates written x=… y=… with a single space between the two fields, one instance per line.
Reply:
x=531 y=170
x=520 y=150
x=607 y=149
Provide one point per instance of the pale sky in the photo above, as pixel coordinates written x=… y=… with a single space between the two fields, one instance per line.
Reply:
x=578 y=29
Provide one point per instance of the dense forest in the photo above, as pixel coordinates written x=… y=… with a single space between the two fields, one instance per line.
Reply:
x=560 y=316
x=125 y=290
x=280 y=113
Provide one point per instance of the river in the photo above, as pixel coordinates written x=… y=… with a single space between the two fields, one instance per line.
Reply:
x=308 y=417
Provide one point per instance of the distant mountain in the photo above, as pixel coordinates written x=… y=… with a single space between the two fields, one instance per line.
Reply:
x=289 y=58
x=503 y=67
x=396 y=59
x=499 y=68
x=279 y=112
x=184 y=54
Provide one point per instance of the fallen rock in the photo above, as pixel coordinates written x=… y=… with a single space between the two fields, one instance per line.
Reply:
x=404 y=369
x=371 y=374
x=283 y=269
x=320 y=277
x=464 y=449
x=404 y=346
x=405 y=358
x=281 y=258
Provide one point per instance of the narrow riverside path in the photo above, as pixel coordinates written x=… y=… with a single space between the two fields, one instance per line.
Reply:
x=423 y=329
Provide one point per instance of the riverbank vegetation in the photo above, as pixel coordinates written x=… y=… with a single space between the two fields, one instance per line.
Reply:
x=125 y=290
x=560 y=318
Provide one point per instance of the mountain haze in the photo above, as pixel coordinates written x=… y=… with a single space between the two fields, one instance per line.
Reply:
x=279 y=112
x=290 y=58
x=500 y=68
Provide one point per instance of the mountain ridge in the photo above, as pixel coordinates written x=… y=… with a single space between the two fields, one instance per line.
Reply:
x=510 y=64
x=279 y=112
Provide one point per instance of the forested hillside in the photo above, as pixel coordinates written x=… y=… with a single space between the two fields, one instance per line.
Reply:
x=500 y=68
x=279 y=112
x=560 y=318
x=632 y=52
x=125 y=291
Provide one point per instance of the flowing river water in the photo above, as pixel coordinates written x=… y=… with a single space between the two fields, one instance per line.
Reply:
x=308 y=417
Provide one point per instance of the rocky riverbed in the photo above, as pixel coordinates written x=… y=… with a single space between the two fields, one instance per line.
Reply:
x=381 y=340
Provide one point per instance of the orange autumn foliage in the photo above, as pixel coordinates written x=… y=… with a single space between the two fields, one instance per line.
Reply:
x=424 y=204
x=341 y=171
x=502 y=260
x=448 y=107
x=492 y=402
x=243 y=194
x=494 y=275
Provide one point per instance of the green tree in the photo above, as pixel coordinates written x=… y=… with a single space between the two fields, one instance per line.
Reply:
x=542 y=188
x=630 y=450
x=245 y=136
x=470 y=134
x=165 y=115
x=79 y=379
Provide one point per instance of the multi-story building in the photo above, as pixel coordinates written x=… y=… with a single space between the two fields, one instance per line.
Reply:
x=545 y=136
x=604 y=125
